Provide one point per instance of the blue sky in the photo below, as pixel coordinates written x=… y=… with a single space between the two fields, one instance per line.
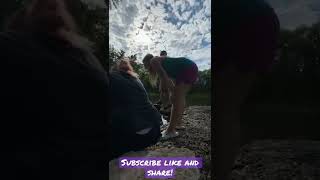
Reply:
x=181 y=27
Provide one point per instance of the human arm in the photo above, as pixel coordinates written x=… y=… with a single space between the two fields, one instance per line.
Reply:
x=165 y=82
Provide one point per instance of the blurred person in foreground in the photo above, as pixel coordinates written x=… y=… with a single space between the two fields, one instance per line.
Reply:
x=245 y=48
x=55 y=97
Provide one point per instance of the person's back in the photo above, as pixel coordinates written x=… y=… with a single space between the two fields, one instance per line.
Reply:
x=124 y=85
x=174 y=66
x=129 y=97
x=131 y=112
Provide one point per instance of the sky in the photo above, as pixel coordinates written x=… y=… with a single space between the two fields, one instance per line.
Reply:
x=181 y=27
x=293 y=13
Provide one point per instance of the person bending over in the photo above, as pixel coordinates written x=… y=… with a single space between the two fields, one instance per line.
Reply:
x=176 y=76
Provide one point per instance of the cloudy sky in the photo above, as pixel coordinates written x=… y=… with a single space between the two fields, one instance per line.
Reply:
x=293 y=13
x=181 y=27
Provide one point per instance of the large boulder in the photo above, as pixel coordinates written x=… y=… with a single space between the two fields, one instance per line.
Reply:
x=116 y=173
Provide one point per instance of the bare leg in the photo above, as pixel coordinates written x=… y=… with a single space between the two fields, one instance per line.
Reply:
x=231 y=90
x=164 y=97
x=178 y=105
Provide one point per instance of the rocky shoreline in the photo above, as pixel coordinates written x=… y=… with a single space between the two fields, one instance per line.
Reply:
x=196 y=137
x=194 y=141
x=278 y=159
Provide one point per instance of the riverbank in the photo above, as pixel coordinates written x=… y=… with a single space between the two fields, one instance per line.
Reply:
x=196 y=137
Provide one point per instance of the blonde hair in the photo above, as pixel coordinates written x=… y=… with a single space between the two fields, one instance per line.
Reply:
x=153 y=76
x=124 y=64
x=61 y=24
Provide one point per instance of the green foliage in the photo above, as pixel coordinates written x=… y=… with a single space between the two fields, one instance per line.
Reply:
x=204 y=81
x=202 y=85
x=295 y=76
x=114 y=56
x=93 y=25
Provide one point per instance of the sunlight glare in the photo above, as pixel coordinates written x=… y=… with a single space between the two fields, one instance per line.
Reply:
x=142 y=38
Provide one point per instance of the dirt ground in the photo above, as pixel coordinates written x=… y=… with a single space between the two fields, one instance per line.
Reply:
x=279 y=160
x=196 y=136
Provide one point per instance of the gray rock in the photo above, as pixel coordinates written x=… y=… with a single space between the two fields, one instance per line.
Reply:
x=279 y=159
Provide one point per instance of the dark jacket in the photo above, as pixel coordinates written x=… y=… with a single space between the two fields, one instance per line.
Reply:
x=131 y=108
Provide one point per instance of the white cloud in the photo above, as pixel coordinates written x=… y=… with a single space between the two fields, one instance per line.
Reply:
x=207 y=37
x=201 y=56
x=140 y=30
x=207 y=8
x=186 y=15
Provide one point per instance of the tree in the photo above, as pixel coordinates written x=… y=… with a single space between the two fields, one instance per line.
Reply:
x=114 y=56
x=7 y=8
x=93 y=24
x=295 y=76
x=204 y=81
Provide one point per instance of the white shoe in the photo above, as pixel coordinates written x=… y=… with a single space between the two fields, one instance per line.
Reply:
x=180 y=127
x=166 y=135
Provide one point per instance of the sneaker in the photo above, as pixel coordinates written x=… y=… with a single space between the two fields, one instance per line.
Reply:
x=166 y=136
x=167 y=118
